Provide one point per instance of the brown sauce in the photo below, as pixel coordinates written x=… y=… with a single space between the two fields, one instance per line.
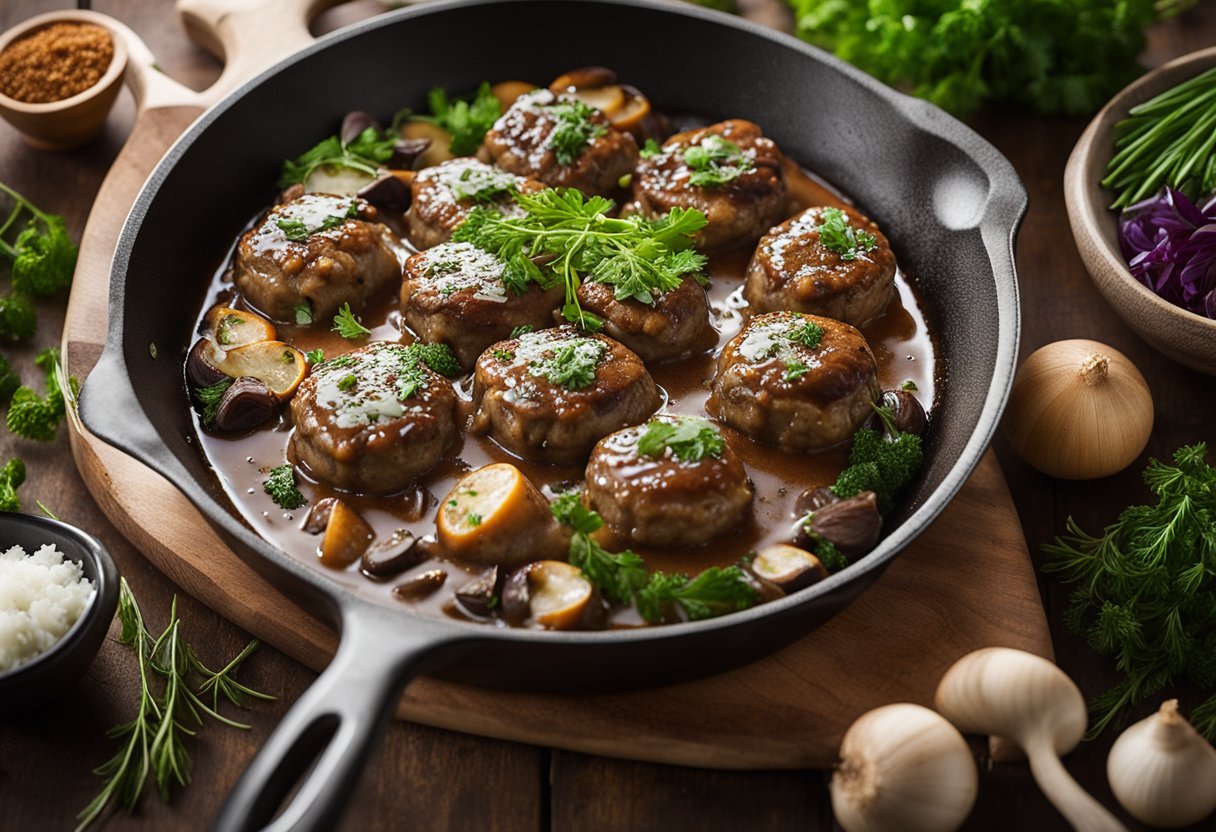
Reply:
x=901 y=340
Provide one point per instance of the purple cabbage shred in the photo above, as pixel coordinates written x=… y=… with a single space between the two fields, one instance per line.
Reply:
x=1170 y=246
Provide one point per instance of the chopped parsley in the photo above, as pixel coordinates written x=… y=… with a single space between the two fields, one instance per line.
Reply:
x=522 y=329
x=715 y=162
x=347 y=382
x=639 y=258
x=716 y=591
x=795 y=370
x=297 y=231
x=347 y=325
x=619 y=576
x=690 y=439
x=209 y=398
x=482 y=183
x=303 y=313
x=837 y=235
x=366 y=153
x=315 y=357
x=473 y=519
x=223 y=332
x=780 y=335
x=574 y=129
x=504 y=355
x=415 y=359
x=909 y=385
x=807 y=333
x=281 y=486
x=466 y=121
x=650 y=149
x=571 y=363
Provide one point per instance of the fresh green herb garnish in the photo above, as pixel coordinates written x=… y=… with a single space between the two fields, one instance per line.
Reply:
x=411 y=373
x=795 y=370
x=365 y=154
x=37 y=417
x=1146 y=589
x=619 y=576
x=1167 y=141
x=829 y=555
x=909 y=385
x=467 y=121
x=523 y=329
x=165 y=720
x=837 y=235
x=650 y=149
x=297 y=231
x=690 y=439
x=303 y=312
x=716 y=591
x=315 y=357
x=17 y=319
x=347 y=383
x=880 y=461
x=11 y=477
x=281 y=486
x=9 y=380
x=504 y=355
x=639 y=258
x=347 y=325
x=43 y=256
x=473 y=519
x=574 y=130
x=209 y=398
x=223 y=332
x=807 y=333
x=1057 y=56
x=571 y=364
x=715 y=162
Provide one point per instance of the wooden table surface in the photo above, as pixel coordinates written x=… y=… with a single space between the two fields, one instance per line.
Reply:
x=425 y=778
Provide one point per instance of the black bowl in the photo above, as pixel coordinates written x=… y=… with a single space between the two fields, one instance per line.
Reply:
x=55 y=672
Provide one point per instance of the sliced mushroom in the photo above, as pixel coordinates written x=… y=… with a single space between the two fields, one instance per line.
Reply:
x=608 y=100
x=201 y=369
x=231 y=328
x=337 y=180
x=552 y=595
x=246 y=404
x=388 y=193
x=788 y=567
x=347 y=536
x=395 y=555
x=280 y=366
x=318 y=515
x=439 y=150
x=420 y=586
x=586 y=77
x=496 y=515
x=814 y=499
x=507 y=91
x=851 y=525
x=634 y=115
x=480 y=596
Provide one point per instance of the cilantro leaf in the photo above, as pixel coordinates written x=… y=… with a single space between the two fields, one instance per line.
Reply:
x=715 y=162
x=466 y=121
x=690 y=439
x=837 y=235
x=347 y=325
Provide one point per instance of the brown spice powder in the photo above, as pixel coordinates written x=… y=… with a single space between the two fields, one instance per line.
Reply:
x=55 y=62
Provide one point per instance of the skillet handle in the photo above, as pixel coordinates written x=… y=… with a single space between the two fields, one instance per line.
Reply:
x=336 y=723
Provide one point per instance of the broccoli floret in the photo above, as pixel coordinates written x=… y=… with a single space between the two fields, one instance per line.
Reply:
x=882 y=462
x=9 y=380
x=831 y=557
x=438 y=357
x=38 y=417
x=17 y=318
x=11 y=477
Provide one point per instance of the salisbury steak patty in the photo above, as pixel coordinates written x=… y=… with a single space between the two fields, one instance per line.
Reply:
x=549 y=396
x=796 y=381
x=562 y=142
x=670 y=482
x=827 y=261
x=317 y=250
x=676 y=325
x=454 y=293
x=373 y=420
x=444 y=195
x=728 y=171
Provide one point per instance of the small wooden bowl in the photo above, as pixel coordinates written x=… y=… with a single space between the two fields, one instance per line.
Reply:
x=1185 y=337
x=60 y=125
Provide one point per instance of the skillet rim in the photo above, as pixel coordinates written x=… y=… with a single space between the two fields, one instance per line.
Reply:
x=1004 y=208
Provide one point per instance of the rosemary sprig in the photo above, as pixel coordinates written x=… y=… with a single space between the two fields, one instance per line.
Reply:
x=170 y=711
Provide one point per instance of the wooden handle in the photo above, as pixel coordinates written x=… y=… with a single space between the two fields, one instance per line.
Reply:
x=248 y=35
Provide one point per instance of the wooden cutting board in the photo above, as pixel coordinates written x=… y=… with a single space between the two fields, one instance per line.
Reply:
x=966 y=583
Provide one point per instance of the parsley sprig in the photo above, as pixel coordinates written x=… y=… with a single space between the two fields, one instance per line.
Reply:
x=466 y=121
x=347 y=325
x=575 y=129
x=689 y=439
x=1146 y=589
x=169 y=710
x=639 y=258
x=280 y=484
x=297 y=231
x=12 y=475
x=837 y=235
x=43 y=256
x=369 y=150
x=623 y=579
x=37 y=417
x=715 y=162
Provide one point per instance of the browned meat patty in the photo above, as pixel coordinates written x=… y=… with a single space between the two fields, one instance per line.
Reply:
x=549 y=396
x=728 y=171
x=443 y=195
x=562 y=142
x=373 y=420
x=796 y=381
x=675 y=326
x=826 y=261
x=454 y=293
x=318 y=250
x=657 y=494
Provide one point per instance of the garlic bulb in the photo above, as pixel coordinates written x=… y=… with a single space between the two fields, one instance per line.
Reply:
x=1027 y=700
x=1079 y=410
x=1162 y=772
x=904 y=769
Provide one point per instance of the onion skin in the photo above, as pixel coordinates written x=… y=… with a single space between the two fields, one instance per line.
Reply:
x=1079 y=410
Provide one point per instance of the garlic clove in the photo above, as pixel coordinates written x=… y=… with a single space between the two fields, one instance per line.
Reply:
x=903 y=768
x=1027 y=700
x=1162 y=771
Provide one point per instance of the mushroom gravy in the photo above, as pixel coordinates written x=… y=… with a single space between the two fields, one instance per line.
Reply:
x=901 y=340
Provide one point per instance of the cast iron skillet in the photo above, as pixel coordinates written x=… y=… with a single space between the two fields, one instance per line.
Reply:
x=948 y=201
